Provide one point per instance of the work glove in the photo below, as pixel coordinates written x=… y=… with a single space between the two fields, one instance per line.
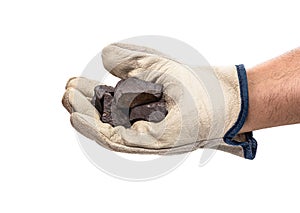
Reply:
x=207 y=106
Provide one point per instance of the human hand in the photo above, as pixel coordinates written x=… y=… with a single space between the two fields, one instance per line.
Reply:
x=191 y=122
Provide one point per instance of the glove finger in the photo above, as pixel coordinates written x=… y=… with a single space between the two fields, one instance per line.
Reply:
x=123 y=62
x=109 y=137
x=120 y=61
x=84 y=85
x=141 y=49
x=105 y=135
x=92 y=128
x=150 y=135
x=74 y=101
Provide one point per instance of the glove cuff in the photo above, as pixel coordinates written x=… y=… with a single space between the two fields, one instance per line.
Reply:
x=248 y=144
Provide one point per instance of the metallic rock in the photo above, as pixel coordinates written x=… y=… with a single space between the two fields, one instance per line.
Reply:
x=97 y=99
x=132 y=92
x=154 y=112
x=131 y=100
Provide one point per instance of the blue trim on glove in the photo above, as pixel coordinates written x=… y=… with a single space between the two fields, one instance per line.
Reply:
x=250 y=145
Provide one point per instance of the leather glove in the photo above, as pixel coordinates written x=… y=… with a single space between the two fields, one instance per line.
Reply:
x=198 y=116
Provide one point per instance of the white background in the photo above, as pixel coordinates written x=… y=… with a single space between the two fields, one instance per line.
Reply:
x=43 y=43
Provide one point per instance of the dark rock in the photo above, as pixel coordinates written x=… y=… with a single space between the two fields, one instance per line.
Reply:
x=120 y=116
x=109 y=89
x=132 y=92
x=131 y=100
x=106 y=114
x=154 y=112
x=113 y=115
x=97 y=99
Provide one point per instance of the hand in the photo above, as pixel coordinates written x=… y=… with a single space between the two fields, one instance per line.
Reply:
x=191 y=121
x=274 y=92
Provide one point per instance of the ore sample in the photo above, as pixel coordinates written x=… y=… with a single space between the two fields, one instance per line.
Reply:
x=113 y=115
x=154 y=112
x=132 y=92
x=97 y=99
x=120 y=116
x=107 y=102
x=131 y=100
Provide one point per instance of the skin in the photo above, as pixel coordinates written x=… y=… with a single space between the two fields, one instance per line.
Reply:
x=274 y=92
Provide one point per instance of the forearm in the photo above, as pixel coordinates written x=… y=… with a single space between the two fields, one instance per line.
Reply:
x=274 y=92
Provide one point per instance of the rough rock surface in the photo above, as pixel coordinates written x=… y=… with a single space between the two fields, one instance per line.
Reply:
x=154 y=112
x=132 y=92
x=130 y=101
